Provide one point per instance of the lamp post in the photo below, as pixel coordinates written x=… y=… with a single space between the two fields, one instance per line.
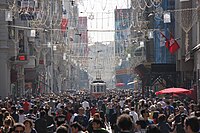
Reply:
x=51 y=48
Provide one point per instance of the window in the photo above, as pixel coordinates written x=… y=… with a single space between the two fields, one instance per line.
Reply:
x=94 y=89
x=98 y=88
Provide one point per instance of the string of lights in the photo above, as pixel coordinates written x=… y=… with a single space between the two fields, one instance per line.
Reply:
x=41 y=14
x=92 y=6
x=44 y=13
x=13 y=5
x=55 y=22
x=120 y=6
x=147 y=5
x=58 y=17
x=48 y=11
x=103 y=7
x=134 y=4
x=85 y=7
x=140 y=4
x=156 y=3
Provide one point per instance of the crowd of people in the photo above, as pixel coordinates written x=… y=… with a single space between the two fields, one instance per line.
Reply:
x=116 y=112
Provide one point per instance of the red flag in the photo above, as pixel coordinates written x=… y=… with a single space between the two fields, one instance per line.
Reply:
x=64 y=24
x=173 y=45
x=166 y=40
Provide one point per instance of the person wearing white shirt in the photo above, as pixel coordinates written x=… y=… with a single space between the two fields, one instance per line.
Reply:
x=72 y=118
x=22 y=116
x=85 y=104
x=60 y=104
x=121 y=103
x=134 y=114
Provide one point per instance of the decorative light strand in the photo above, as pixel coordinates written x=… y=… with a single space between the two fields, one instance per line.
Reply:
x=155 y=4
x=92 y=6
x=104 y=7
x=45 y=13
x=139 y=5
x=85 y=8
x=148 y=1
x=133 y=3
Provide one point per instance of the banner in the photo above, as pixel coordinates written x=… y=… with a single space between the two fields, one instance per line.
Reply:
x=64 y=24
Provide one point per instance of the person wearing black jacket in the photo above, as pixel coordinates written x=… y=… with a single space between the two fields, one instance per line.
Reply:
x=113 y=121
x=41 y=123
x=81 y=118
x=125 y=123
x=163 y=125
x=51 y=126
x=14 y=114
x=96 y=116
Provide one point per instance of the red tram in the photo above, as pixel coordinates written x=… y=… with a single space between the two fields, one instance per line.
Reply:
x=98 y=88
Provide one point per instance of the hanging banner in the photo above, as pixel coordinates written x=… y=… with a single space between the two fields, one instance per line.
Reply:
x=167 y=17
x=8 y=16
x=64 y=24
x=32 y=33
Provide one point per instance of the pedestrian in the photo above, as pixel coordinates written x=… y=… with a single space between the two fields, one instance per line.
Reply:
x=26 y=106
x=153 y=129
x=41 y=123
x=191 y=124
x=125 y=123
x=50 y=120
x=14 y=114
x=22 y=116
x=18 y=128
x=31 y=115
x=6 y=128
x=90 y=125
x=141 y=126
x=29 y=126
x=163 y=125
x=62 y=129
x=133 y=114
x=97 y=126
x=60 y=118
x=145 y=116
x=76 y=128
x=81 y=118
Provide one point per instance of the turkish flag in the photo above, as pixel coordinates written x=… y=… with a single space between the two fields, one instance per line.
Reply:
x=173 y=45
x=166 y=40
x=64 y=24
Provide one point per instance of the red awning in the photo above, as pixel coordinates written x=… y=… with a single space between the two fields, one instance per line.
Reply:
x=120 y=84
x=173 y=91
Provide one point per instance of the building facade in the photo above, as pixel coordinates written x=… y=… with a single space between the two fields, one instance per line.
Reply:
x=122 y=33
x=32 y=47
x=180 y=69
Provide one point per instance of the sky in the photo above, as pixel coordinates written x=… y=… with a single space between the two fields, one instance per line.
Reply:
x=101 y=27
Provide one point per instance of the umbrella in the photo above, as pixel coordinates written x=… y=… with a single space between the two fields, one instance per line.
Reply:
x=173 y=91
x=120 y=84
